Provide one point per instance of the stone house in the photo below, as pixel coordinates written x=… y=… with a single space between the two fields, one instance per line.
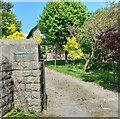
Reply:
x=34 y=32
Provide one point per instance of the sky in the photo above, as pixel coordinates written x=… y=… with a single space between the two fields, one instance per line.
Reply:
x=29 y=12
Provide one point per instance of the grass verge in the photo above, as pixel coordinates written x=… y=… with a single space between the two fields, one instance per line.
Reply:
x=103 y=78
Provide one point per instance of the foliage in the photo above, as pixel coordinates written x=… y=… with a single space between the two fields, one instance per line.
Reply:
x=9 y=24
x=17 y=112
x=110 y=41
x=45 y=50
x=99 y=22
x=37 y=39
x=57 y=16
x=16 y=35
x=73 y=49
x=12 y=28
x=19 y=36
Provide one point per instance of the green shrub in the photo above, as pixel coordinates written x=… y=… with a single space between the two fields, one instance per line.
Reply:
x=17 y=112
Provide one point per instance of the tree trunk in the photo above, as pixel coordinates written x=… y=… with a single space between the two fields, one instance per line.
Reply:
x=55 y=63
x=60 y=56
x=46 y=57
x=86 y=66
x=88 y=62
x=66 y=56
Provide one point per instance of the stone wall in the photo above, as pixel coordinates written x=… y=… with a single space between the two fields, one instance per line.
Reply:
x=6 y=87
x=23 y=55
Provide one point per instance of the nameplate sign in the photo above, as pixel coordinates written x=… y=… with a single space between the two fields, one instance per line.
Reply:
x=23 y=53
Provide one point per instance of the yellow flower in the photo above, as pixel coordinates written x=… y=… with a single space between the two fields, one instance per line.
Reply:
x=37 y=39
x=16 y=35
x=12 y=28
x=73 y=48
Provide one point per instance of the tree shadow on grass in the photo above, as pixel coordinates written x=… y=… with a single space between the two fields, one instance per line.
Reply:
x=104 y=79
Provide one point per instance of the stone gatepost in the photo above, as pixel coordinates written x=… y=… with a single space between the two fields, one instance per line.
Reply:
x=24 y=57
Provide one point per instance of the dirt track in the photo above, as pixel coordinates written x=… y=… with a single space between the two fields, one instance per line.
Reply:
x=72 y=97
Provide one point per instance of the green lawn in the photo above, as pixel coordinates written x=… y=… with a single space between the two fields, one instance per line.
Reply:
x=103 y=78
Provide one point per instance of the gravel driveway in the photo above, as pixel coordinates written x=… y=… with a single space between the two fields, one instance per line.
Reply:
x=71 y=97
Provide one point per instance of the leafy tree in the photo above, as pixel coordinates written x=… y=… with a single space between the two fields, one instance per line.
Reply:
x=16 y=35
x=83 y=41
x=8 y=19
x=9 y=25
x=99 y=22
x=74 y=52
x=110 y=41
x=20 y=36
x=57 y=16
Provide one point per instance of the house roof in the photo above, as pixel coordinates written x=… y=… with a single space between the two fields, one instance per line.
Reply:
x=34 y=32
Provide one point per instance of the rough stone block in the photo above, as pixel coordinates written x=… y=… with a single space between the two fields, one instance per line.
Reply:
x=1 y=84
x=10 y=89
x=36 y=108
x=0 y=75
x=6 y=67
x=0 y=112
x=0 y=94
x=31 y=80
x=35 y=94
x=19 y=79
x=26 y=65
x=26 y=58
x=4 y=83
x=7 y=90
x=6 y=108
x=16 y=99
x=5 y=75
x=4 y=92
x=32 y=87
x=9 y=82
x=35 y=73
x=0 y=102
x=22 y=87
x=18 y=73
x=9 y=98
x=34 y=102
x=5 y=55
x=24 y=46
x=10 y=47
x=32 y=73
x=3 y=102
x=28 y=94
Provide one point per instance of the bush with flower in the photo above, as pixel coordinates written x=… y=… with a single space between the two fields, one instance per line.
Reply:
x=74 y=52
